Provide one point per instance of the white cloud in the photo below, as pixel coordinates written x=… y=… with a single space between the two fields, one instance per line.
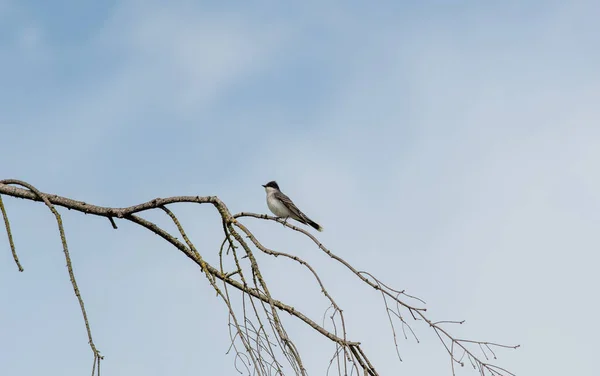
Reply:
x=188 y=57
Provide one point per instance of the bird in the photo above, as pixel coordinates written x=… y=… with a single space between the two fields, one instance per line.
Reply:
x=283 y=207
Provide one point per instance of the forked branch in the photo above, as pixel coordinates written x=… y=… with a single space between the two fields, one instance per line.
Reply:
x=258 y=336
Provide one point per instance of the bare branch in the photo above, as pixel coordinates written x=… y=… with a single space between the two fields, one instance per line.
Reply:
x=418 y=313
x=9 y=234
x=260 y=339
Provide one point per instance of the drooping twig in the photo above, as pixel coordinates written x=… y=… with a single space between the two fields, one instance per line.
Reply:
x=63 y=240
x=9 y=233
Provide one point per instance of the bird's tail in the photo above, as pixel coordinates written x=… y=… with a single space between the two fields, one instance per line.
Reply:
x=313 y=224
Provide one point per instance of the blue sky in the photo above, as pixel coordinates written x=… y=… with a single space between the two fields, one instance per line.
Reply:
x=452 y=149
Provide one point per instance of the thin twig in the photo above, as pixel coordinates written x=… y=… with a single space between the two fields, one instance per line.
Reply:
x=9 y=233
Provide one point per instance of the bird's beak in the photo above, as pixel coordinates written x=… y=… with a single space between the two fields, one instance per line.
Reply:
x=264 y=186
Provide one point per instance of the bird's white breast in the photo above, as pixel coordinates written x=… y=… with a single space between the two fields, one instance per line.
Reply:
x=277 y=207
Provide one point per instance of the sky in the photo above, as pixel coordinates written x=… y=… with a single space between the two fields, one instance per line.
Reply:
x=451 y=149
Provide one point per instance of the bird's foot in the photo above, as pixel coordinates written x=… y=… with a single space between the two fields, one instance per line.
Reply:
x=284 y=220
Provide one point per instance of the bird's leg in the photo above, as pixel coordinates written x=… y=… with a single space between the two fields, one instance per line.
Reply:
x=285 y=219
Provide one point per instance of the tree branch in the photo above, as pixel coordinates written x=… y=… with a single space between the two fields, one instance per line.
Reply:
x=249 y=281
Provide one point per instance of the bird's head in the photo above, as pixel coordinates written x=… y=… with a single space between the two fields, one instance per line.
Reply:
x=272 y=184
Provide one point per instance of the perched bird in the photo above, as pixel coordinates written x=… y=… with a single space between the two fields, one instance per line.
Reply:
x=283 y=207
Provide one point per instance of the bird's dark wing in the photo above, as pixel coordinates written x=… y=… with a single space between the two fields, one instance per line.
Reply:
x=296 y=213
